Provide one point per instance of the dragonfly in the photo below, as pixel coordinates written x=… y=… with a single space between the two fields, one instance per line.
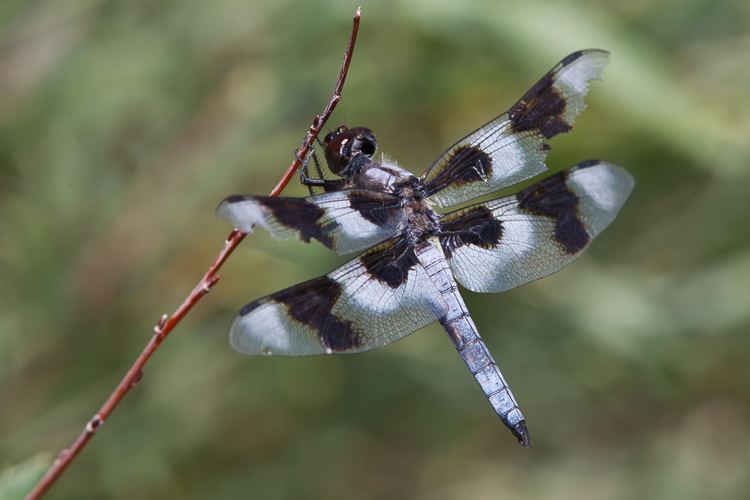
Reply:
x=417 y=247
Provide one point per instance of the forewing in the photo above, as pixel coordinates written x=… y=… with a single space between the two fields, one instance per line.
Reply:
x=512 y=147
x=345 y=221
x=373 y=300
x=499 y=245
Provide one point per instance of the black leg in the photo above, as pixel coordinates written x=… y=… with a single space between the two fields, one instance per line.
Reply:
x=320 y=181
x=304 y=172
x=327 y=184
x=318 y=170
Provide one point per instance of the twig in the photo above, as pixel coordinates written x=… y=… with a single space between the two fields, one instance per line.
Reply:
x=167 y=323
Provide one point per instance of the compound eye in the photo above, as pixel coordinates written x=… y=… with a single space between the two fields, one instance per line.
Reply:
x=367 y=146
x=338 y=149
x=365 y=142
x=331 y=135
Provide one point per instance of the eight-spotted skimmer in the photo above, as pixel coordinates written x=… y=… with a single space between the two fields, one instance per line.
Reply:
x=409 y=279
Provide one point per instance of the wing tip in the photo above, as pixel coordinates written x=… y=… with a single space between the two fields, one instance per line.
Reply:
x=223 y=209
x=627 y=182
x=593 y=62
x=229 y=200
x=242 y=211
x=605 y=187
x=255 y=341
x=238 y=337
x=600 y=54
x=574 y=56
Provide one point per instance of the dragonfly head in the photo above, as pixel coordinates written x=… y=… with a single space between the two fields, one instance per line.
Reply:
x=344 y=144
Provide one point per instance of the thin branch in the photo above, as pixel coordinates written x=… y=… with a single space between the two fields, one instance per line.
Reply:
x=167 y=323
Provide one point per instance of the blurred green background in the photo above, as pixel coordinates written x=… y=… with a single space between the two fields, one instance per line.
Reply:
x=122 y=124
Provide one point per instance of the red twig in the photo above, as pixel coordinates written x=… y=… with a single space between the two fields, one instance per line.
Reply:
x=167 y=323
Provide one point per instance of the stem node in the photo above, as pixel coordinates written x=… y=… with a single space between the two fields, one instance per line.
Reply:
x=93 y=424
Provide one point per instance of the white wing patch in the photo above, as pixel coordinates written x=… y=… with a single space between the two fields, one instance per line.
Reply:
x=502 y=244
x=512 y=148
x=373 y=300
x=345 y=221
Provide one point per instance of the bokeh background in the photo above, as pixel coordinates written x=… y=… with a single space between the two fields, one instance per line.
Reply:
x=123 y=123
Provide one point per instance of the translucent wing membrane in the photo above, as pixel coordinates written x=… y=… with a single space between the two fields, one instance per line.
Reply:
x=373 y=300
x=502 y=244
x=512 y=147
x=345 y=221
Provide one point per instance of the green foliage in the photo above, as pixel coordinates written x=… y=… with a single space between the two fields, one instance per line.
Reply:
x=122 y=124
x=17 y=481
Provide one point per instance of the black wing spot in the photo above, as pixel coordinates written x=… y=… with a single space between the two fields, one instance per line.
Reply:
x=373 y=208
x=390 y=265
x=470 y=164
x=541 y=109
x=301 y=215
x=475 y=226
x=311 y=303
x=553 y=198
x=465 y=164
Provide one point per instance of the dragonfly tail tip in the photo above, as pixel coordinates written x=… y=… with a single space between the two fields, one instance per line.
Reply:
x=521 y=432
